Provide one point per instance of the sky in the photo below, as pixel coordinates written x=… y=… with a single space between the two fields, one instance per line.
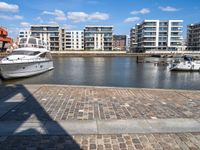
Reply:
x=75 y=14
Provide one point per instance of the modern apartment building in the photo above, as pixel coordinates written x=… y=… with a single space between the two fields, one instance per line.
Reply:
x=98 y=38
x=119 y=42
x=159 y=35
x=72 y=40
x=133 y=42
x=47 y=33
x=24 y=33
x=193 y=37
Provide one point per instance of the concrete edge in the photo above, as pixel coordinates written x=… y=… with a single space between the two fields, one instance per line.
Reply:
x=77 y=127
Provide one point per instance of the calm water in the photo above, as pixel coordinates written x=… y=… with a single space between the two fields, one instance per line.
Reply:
x=112 y=71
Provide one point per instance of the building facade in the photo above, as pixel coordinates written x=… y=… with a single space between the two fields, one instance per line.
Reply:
x=49 y=34
x=98 y=38
x=133 y=41
x=72 y=40
x=119 y=42
x=24 y=33
x=165 y=35
x=193 y=37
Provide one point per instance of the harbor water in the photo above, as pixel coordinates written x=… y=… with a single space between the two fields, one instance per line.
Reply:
x=112 y=71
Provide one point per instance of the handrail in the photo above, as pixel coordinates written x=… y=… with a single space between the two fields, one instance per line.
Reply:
x=31 y=45
x=27 y=60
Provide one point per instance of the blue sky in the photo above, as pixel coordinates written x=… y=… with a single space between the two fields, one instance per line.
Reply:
x=75 y=14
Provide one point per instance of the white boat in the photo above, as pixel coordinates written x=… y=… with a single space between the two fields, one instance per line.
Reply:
x=31 y=58
x=185 y=65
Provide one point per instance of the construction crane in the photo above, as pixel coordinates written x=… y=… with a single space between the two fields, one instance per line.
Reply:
x=4 y=39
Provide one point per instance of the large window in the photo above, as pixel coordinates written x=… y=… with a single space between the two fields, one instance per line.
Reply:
x=32 y=41
x=30 y=53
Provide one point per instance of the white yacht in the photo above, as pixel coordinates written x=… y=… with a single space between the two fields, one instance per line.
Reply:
x=31 y=58
x=185 y=65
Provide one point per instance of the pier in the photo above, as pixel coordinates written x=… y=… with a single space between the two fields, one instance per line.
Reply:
x=86 y=117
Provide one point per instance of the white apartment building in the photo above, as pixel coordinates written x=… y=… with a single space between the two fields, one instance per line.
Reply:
x=47 y=33
x=72 y=39
x=159 y=35
x=24 y=33
x=98 y=38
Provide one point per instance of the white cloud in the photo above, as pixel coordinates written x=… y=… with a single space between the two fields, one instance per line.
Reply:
x=59 y=14
x=25 y=24
x=18 y=17
x=52 y=22
x=15 y=17
x=141 y=11
x=98 y=16
x=168 y=9
x=8 y=7
x=131 y=19
x=83 y=17
x=77 y=16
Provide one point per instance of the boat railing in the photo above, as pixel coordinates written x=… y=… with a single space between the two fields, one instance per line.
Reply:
x=27 y=60
x=31 y=45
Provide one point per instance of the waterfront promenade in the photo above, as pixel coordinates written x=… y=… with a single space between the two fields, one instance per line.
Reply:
x=82 y=117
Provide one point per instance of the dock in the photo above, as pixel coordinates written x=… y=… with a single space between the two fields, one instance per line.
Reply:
x=89 y=117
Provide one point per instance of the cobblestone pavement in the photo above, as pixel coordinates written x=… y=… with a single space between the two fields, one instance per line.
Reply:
x=88 y=103
x=184 y=141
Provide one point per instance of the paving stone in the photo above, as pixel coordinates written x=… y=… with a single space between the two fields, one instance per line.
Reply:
x=60 y=103
x=88 y=103
x=70 y=142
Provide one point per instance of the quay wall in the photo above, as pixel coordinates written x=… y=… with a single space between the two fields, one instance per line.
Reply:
x=116 y=53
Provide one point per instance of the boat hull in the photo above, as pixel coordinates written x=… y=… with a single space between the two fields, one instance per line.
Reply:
x=185 y=67
x=25 y=69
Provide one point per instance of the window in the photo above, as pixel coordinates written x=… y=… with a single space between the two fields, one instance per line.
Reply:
x=32 y=41
x=43 y=55
x=30 y=53
x=23 y=40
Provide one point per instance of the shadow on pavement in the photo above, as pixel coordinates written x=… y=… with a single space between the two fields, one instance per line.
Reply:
x=25 y=132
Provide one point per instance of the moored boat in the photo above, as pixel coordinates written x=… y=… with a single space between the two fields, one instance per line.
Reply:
x=188 y=64
x=31 y=58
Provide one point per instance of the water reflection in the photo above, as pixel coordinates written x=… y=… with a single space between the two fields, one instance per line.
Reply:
x=112 y=71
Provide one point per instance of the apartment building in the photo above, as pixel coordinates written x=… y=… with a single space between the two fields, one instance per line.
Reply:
x=47 y=33
x=119 y=42
x=133 y=40
x=98 y=38
x=24 y=33
x=159 y=35
x=72 y=40
x=193 y=37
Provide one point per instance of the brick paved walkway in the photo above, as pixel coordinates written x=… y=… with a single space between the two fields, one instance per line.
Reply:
x=65 y=103
x=184 y=141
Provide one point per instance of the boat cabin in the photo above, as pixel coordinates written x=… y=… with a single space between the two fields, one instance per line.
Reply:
x=31 y=42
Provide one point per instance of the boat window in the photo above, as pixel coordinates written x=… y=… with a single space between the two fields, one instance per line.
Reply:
x=23 y=40
x=25 y=53
x=40 y=42
x=32 y=41
x=43 y=55
x=48 y=55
